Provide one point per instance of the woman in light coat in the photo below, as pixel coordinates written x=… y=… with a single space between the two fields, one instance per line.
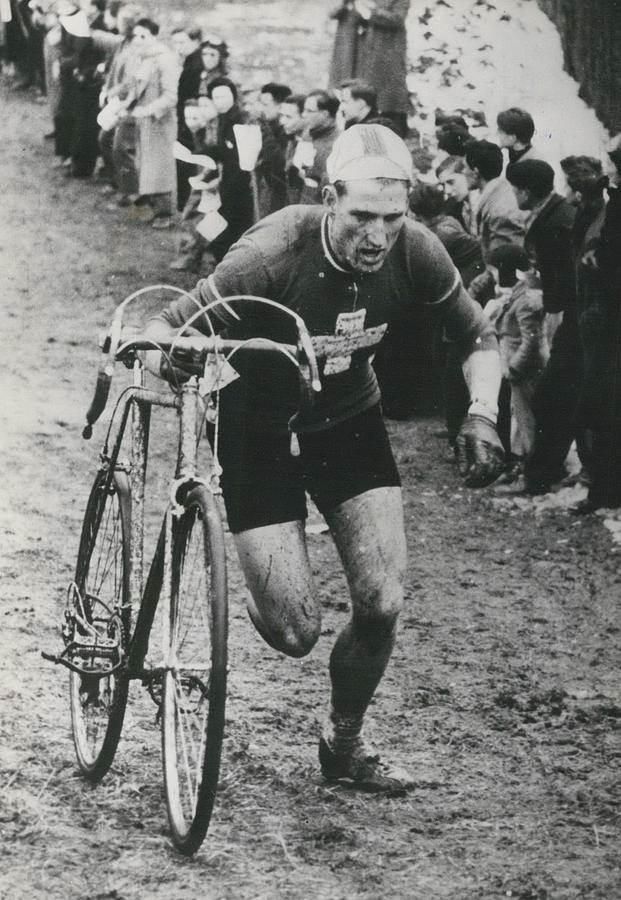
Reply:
x=155 y=90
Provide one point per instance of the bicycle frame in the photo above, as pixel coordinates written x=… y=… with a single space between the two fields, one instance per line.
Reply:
x=144 y=596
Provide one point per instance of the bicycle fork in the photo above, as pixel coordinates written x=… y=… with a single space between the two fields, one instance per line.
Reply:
x=159 y=584
x=186 y=478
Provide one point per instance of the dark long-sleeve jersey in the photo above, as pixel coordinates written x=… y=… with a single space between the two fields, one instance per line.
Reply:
x=287 y=257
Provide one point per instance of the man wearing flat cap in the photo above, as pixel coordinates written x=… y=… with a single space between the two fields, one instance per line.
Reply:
x=348 y=268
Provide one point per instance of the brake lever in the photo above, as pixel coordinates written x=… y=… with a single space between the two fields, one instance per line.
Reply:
x=104 y=377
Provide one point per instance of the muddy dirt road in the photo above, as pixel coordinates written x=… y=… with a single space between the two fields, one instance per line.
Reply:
x=503 y=696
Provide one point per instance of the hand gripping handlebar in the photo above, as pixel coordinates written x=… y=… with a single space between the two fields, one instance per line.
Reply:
x=117 y=345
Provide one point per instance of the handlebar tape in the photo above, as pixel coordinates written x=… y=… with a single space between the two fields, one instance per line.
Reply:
x=98 y=403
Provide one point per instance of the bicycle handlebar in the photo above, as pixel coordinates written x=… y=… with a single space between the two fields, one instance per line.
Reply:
x=119 y=345
x=198 y=343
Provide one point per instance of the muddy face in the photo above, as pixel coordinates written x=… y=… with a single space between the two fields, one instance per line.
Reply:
x=365 y=221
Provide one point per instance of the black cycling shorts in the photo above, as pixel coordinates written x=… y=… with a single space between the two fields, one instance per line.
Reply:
x=264 y=484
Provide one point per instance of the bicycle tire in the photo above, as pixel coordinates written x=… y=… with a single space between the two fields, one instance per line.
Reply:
x=194 y=694
x=102 y=577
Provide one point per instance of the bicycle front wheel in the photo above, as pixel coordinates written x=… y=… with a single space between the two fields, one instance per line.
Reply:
x=195 y=683
x=99 y=609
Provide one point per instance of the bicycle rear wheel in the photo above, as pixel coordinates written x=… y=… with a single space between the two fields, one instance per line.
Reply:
x=101 y=619
x=195 y=683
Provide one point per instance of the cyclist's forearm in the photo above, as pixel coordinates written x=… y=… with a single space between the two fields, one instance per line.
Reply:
x=175 y=316
x=482 y=373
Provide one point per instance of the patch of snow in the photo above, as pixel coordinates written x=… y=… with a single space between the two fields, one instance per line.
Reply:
x=490 y=57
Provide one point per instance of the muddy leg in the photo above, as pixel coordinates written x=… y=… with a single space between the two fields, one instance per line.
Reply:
x=283 y=606
x=369 y=534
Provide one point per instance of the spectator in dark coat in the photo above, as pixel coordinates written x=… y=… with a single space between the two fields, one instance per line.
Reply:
x=235 y=189
x=64 y=124
x=600 y=403
x=89 y=77
x=549 y=231
x=204 y=63
x=548 y=243
x=586 y=182
x=191 y=70
x=24 y=44
x=186 y=43
x=371 y=44
x=270 y=167
x=345 y=49
x=292 y=122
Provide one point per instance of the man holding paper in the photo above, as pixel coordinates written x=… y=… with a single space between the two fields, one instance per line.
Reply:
x=236 y=206
x=200 y=212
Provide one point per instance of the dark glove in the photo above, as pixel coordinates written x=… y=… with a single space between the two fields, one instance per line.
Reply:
x=479 y=452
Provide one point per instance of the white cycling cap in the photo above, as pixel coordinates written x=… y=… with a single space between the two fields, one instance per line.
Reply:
x=369 y=151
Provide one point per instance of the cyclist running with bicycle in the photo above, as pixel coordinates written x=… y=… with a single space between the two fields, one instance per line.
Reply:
x=349 y=268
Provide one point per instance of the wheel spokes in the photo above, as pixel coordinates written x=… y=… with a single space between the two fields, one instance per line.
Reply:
x=95 y=634
x=192 y=668
x=107 y=554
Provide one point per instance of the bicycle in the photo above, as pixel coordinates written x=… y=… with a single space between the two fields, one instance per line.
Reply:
x=111 y=606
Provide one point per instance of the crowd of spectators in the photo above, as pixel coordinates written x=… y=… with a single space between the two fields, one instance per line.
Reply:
x=172 y=141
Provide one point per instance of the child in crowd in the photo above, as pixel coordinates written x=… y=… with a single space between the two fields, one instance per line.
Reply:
x=518 y=314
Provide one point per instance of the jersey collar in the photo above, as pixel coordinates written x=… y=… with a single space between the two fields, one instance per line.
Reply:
x=327 y=249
